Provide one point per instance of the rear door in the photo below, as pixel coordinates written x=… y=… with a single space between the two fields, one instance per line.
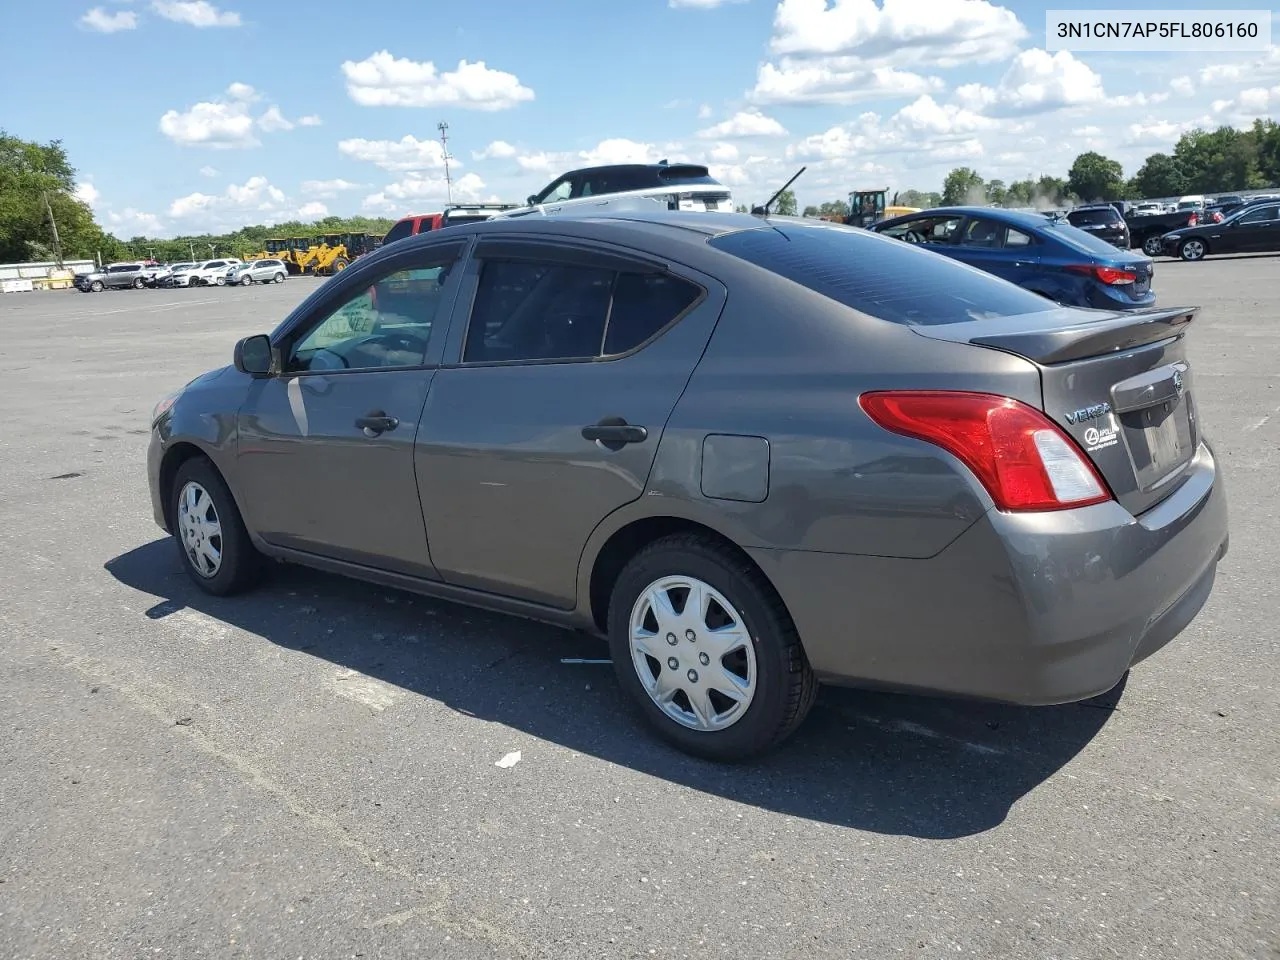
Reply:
x=568 y=360
x=997 y=248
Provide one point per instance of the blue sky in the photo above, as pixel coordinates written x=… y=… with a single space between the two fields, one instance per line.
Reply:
x=187 y=115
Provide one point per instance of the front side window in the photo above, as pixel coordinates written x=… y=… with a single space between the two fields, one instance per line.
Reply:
x=925 y=229
x=1260 y=215
x=560 y=190
x=532 y=310
x=388 y=324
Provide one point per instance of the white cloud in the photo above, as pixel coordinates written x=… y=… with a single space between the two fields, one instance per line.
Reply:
x=197 y=13
x=970 y=149
x=382 y=80
x=208 y=172
x=100 y=21
x=312 y=211
x=328 y=188
x=1036 y=82
x=1089 y=131
x=723 y=153
x=618 y=150
x=1248 y=105
x=86 y=193
x=256 y=200
x=1258 y=68
x=836 y=80
x=310 y=120
x=220 y=124
x=273 y=120
x=939 y=33
x=1182 y=86
x=926 y=116
x=1127 y=100
x=540 y=162
x=129 y=223
x=497 y=150
x=704 y=111
x=746 y=123
x=407 y=153
x=416 y=192
x=700 y=4
x=242 y=91
x=1157 y=133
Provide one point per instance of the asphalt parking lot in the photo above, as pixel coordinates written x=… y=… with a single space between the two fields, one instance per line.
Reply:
x=310 y=770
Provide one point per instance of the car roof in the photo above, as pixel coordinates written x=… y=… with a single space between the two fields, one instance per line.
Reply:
x=1012 y=217
x=631 y=168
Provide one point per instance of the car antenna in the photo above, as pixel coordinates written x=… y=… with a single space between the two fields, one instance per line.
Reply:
x=764 y=211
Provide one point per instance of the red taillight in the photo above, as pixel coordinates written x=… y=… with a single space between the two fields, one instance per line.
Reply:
x=1217 y=217
x=1018 y=454
x=1108 y=275
x=1193 y=220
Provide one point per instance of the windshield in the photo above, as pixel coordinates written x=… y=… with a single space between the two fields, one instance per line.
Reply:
x=1094 y=217
x=182 y=267
x=1079 y=239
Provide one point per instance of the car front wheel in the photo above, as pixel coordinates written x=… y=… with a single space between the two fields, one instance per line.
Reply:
x=707 y=651
x=96 y=286
x=1193 y=249
x=246 y=281
x=212 y=541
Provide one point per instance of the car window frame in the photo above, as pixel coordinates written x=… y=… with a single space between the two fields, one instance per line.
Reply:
x=1259 y=208
x=961 y=222
x=558 y=250
x=350 y=282
x=544 y=195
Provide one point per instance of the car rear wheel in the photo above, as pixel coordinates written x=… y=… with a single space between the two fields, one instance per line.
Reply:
x=706 y=650
x=1193 y=249
x=1153 y=246
x=212 y=541
x=278 y=278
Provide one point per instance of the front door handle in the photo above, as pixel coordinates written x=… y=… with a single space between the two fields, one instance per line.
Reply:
x=376 y=422
x=614 y=433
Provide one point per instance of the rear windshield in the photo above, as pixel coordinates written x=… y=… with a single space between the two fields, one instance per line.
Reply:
x=884 y=278
x=402 y=229
x=686 y=174
x=1081 y=240
x=1108 y=215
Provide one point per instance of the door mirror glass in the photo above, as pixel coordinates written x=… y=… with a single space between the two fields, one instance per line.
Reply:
x=253 y=355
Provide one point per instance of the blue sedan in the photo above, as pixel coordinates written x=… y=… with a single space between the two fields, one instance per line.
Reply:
x=1046 y=256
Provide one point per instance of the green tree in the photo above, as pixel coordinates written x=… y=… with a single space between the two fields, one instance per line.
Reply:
x=1218 y=160
x=1159 y=176
x=1053 y=191
x=1020 y=193
x=963 y=186
x=785 y=205
x=919 y=198
x=1266 y=138
x=997 y=193
x=1095 y=177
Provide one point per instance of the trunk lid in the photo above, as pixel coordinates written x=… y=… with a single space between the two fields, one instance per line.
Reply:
x=1118 y=383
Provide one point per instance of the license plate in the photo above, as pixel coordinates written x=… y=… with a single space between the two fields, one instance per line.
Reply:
x=1164 y=445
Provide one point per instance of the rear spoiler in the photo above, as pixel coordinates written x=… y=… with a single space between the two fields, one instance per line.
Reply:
x=1118 y=332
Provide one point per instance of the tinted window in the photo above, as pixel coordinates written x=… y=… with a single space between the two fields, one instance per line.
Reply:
x=554 y=311
x=557 y=191
x=124 y=268
x=925 y=229
x=1080 y=240
x=686 y=174
x=885 y=280
x=1014 y=237
x=1093 y=217
x=401 y=230
x=388 y=324
x=983 y=233
x=1259 y=214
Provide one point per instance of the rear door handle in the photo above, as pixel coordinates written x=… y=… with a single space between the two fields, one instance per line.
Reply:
x=376 y=422
x=614 y=433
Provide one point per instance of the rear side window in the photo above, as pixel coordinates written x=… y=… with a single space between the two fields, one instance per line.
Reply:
x=401 y=230
x=531 y=310
x=890 y=281
x=1093 y=217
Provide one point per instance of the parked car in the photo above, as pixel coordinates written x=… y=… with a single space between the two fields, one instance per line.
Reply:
x=1251 y=229
x=755 y=454
x=210 y=273
x=179 y=275
x=417 y=223
x=681 y=186
x=117 y=276
x=1102 y=220
x=1146 y=208
x=1046 y=256
x=91 y=281
x=1146 y=230
x=257 y=271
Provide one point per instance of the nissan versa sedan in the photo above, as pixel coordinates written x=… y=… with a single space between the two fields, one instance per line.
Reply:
x=1046 y=256
x=741 y=449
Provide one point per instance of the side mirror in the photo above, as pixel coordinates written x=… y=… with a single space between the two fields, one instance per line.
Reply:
x=254 y=355
x=532 y=200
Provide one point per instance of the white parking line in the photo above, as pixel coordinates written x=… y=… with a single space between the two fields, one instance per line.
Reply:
x=166 y=306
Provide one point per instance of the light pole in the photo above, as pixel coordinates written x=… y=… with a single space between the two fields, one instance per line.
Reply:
x=192 y=247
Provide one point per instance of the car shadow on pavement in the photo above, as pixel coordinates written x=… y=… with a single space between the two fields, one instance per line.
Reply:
x=891 y=764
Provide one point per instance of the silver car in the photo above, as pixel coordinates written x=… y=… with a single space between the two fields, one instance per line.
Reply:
x=258 y=271
x=120 y=275
x=754 y=454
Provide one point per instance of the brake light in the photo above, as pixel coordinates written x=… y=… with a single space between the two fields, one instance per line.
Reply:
x=1217 y=217
x=1022 y=458
x=1193 y=220
x=1108 y=275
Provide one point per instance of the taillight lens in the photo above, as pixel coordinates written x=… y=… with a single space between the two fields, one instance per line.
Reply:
x=1193 y=220
x=1107 y=275
x=1020 y=456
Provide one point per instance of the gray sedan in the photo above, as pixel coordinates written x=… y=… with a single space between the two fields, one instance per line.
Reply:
x=754 y=454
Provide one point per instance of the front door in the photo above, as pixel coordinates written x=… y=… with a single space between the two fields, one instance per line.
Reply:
x=570 y=363
x=1259 y=229
x=326 y=448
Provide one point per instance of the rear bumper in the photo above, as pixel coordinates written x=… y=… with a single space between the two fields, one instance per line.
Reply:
x=1032 y=609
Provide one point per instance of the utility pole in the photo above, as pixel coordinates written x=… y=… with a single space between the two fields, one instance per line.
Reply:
x=444 y=150
x=57 y=244
x=192 y=247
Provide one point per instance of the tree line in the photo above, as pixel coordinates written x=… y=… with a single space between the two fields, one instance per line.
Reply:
x=1202 y=161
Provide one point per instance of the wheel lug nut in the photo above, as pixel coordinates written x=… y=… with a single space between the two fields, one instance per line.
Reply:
x=673 y=663
x=693 y=676
x=671 y=639
x=703 y=659
x=690 y=636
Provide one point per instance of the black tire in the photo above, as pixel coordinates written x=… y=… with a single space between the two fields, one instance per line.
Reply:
x=1152 y=246
x=338 y=265
x=785 y=683
x=1193 y=249
x=139 y=283
x=278 y=278
x=246 y=281
x=241 y=564
x=96 y=286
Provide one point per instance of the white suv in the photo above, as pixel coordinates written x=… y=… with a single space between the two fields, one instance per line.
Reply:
x=680 y=186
